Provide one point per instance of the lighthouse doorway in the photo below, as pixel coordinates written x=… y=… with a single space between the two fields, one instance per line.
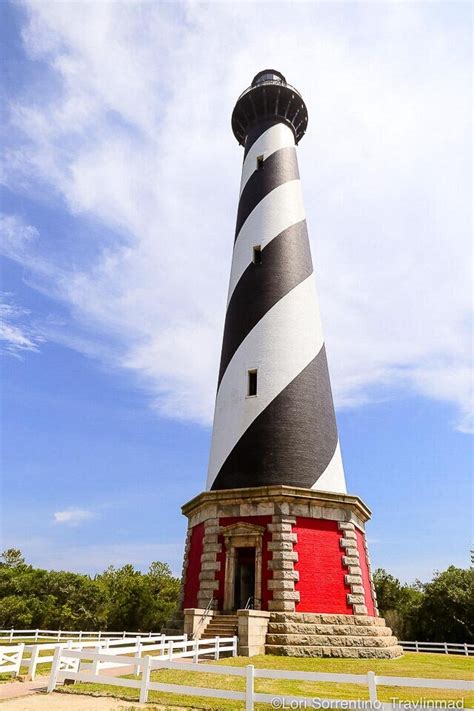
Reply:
x=243 y=564
x=244 y=582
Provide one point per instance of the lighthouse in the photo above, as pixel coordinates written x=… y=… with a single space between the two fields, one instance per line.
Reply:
x=274 y=419
x=276 y=549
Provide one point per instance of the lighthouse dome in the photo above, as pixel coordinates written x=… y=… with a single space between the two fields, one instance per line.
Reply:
x=268 y=75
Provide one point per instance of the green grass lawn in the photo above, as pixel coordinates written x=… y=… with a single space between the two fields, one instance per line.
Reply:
x=411 y=664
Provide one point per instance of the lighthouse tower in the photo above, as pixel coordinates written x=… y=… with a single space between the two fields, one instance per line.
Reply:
x=274 y=419
x=275 y=544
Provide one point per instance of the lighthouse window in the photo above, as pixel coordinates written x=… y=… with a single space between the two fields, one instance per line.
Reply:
x=260 y=161
x=252 y=383
x=257 y=255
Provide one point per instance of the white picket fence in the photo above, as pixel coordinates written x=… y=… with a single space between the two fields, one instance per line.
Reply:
x=439 y=647
x=160 y=644
x=167 y=647
x=30 y=655
x=68 y=664
x=10 y=659
x=62 y=635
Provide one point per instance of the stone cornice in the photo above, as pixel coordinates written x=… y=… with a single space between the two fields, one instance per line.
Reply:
x=268 y=494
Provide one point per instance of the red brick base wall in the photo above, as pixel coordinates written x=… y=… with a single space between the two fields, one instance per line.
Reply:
x=321 y=573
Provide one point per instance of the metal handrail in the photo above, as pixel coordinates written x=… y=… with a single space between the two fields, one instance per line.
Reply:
x=210 y=605
x=250 y=604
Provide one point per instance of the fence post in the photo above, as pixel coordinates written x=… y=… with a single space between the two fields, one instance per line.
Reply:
x=146 y=664
x=234 y=647
x=69 y=646
x=36 y=635
x=53 y=678
x=249 y=687
x=99 y=636
x=446 y=648
x=74 y=663
x=124 y=634
x=11 y=635
x=59 y=635
x=416 y=646
x=216 y=650
x=185 y=637
x=21 y=649
x=96 y=662
x=33 y=662
x=138 y=654
x=170 y=650
x=372 y=684
x=196 y=651
x=80 y=636
x=465 y=649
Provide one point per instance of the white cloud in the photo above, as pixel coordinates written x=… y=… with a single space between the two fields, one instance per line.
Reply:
x=73 y=516
x=134 y=135
x=17 y=336
x=16 y=237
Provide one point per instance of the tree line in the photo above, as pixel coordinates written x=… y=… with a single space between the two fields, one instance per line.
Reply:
x=441 y=610
x=117 y=599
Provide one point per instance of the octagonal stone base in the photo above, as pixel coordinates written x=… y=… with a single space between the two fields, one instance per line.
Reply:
x=309 y=568
x=311 y=635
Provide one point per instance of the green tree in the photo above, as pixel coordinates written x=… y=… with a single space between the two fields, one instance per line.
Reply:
x=397 y=603
x=137 y=601
x=124 y=590
x=54 y=599
x=12 y=558
x=162 y=596
x=123 y=599
x=446 y=613
x=15 y=612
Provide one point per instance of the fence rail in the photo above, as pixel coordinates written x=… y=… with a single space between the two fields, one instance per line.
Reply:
x=62 y=635
x=68 y=664
x=439 y=647
x=10 y=659
x=170 y=647
x=30 y=655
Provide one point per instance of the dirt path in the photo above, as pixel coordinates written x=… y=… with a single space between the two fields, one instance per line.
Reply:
x=68 y=702
x=20 y=689
x=23 y=696
x=14 y=689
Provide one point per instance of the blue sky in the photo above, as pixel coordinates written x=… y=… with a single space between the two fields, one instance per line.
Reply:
x=120 y=180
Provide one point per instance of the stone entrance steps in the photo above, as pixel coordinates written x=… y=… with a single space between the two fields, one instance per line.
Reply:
x=314 y=635
x=225 y=625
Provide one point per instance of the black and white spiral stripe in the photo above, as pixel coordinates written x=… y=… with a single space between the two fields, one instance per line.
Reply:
x=287 y=433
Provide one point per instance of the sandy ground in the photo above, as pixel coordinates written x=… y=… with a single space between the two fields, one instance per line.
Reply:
x=69 y=702
x=32 y=696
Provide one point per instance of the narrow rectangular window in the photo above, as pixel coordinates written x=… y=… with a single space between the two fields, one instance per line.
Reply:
x=260 y=160
x=252 y=383
x=257 y=254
